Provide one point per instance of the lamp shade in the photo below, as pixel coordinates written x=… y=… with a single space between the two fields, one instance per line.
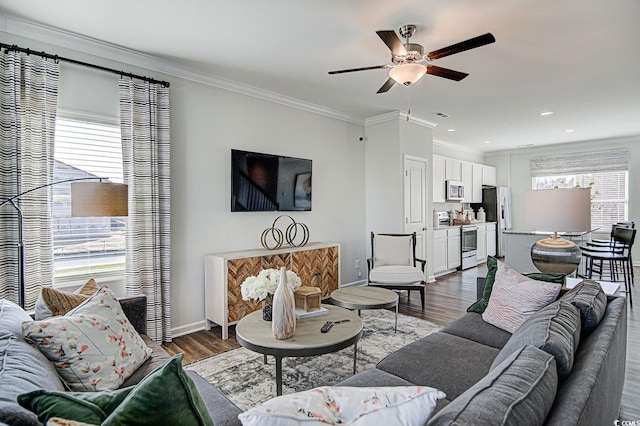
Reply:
x=94 y=199
x=558 y=210
x=407 y=74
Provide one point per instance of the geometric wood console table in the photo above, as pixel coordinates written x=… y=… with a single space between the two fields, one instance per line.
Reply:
x=317 y=265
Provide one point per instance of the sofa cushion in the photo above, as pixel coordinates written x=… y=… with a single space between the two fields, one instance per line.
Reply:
x=166 y=396
x=93 y=347
x=429 y=362
x=399 y=405
x=396 y=274
x=591 y=300
x=22 y=367
x=492 y=266
x=471 y=326
x=554 y=329
x=158 y=357
x=52 y=302
x=519 y=391
x=515 y=298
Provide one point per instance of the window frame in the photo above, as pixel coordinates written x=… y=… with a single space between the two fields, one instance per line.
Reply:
x=112 y=277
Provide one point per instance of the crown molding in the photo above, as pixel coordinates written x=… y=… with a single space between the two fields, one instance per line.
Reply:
x=399 y=115
x=449 y=145
x=113 y=52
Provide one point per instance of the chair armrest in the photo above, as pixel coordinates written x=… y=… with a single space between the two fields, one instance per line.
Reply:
x=369 y=264
x=423 y=263
x=135 y=309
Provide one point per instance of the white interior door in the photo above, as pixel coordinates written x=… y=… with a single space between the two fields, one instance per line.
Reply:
x=415 y=193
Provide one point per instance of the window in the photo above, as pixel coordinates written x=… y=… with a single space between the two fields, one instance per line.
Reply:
x=609 y=194
x=94 y=246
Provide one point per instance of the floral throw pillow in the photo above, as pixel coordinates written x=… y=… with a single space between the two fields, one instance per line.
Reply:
x=93 y=347
x=397 y=405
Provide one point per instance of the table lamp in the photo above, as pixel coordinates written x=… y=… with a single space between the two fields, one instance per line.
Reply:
x=557 y=210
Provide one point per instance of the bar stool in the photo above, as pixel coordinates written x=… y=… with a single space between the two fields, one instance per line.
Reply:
x=617 y=258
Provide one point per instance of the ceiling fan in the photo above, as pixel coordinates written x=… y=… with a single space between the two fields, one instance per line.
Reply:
x=408 y=58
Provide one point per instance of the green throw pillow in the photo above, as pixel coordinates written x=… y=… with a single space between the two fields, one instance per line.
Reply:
x=492 y=266
x=166 y=396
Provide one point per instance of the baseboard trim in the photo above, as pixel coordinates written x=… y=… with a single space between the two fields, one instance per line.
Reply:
x=188 y=328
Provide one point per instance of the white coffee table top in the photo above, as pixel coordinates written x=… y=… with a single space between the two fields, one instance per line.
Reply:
x=255 y=334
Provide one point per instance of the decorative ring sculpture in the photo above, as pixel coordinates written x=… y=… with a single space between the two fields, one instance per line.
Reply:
x=290 y=234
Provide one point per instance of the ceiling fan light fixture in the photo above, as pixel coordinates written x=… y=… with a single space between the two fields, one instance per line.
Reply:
x=407 y=74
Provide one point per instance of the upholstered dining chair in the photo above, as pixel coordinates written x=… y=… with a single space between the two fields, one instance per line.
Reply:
x=393 y=264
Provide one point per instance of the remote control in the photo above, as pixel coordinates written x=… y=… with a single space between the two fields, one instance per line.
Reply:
x=327 y=325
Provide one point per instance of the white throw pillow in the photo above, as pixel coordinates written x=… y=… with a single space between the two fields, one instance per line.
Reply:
x=93 y=347
x=515 y=298
x=398 y=405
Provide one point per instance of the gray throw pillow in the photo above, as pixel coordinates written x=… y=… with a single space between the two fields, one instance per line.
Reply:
x=518 y=391
x=591 y=300
x=554 y=329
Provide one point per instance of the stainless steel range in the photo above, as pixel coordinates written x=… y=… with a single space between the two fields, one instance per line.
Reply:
x=469 y=246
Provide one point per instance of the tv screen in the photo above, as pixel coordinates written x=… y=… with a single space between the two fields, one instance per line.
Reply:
x=266 y=182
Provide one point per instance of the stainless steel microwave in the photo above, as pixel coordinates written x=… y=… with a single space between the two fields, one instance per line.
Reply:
x=455 y=190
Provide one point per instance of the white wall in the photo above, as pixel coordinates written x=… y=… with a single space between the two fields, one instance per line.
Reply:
x=513 y=171
x=206 y=123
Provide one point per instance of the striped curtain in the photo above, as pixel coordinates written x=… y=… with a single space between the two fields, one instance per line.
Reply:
x=144 y=121
x=28 y=106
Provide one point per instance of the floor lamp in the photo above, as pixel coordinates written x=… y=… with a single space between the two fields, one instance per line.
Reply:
x=88 y=199
x=557 y=210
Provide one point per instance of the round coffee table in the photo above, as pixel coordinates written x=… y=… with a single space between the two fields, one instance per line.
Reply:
x=255 y=334
x=366 y=298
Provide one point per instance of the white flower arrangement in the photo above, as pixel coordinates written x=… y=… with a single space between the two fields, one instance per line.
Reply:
x=265 y=284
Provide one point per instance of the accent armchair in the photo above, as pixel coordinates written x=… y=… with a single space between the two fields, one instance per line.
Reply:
x=393 y=264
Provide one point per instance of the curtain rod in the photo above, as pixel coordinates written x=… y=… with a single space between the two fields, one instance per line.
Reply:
x=10 y=47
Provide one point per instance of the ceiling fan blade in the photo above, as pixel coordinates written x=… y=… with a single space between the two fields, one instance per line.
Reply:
x=386 y=86
x=376 y=67
x=393 y=42
x=446 y=73
x=472 y=43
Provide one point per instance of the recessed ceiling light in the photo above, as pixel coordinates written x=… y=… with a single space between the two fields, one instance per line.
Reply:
x=569 y=131
x=451 y=130
x=487 y=142
x=545 y=113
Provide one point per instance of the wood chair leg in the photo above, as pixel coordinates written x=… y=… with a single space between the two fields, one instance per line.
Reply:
x=422 y=297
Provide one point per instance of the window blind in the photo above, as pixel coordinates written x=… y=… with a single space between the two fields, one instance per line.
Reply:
x=580 y=163
x=85 y=245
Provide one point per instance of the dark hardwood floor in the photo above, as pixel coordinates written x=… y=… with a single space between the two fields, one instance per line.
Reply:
x=446 y=300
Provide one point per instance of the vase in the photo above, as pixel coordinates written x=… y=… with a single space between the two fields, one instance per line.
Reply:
x=267 y=311
x=284 y=309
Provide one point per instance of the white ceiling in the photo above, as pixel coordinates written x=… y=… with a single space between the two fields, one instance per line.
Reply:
x=577 y=58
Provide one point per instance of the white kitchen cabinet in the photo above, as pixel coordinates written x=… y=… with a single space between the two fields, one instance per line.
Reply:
x=482 y=243
x=453 y=169
x=446 y=249
x=491 y=239
x=439 y=180
x=467 y=181
x=476 y=182
x=453 y=248
x=439 y=250
x=489 y=175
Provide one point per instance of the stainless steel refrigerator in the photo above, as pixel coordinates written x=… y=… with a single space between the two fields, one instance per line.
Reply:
x=496 y=202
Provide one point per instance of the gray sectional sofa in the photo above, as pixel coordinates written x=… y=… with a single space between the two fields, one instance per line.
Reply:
x=564 y=366
x=493 y=377
x=23 y=368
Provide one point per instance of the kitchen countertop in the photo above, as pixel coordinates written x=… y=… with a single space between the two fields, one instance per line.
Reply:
x=435 y=228
x=560 y=234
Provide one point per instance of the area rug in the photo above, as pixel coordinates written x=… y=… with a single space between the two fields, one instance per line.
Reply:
x=247 y=381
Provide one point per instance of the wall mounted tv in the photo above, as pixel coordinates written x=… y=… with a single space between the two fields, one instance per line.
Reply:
x=266 y=182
